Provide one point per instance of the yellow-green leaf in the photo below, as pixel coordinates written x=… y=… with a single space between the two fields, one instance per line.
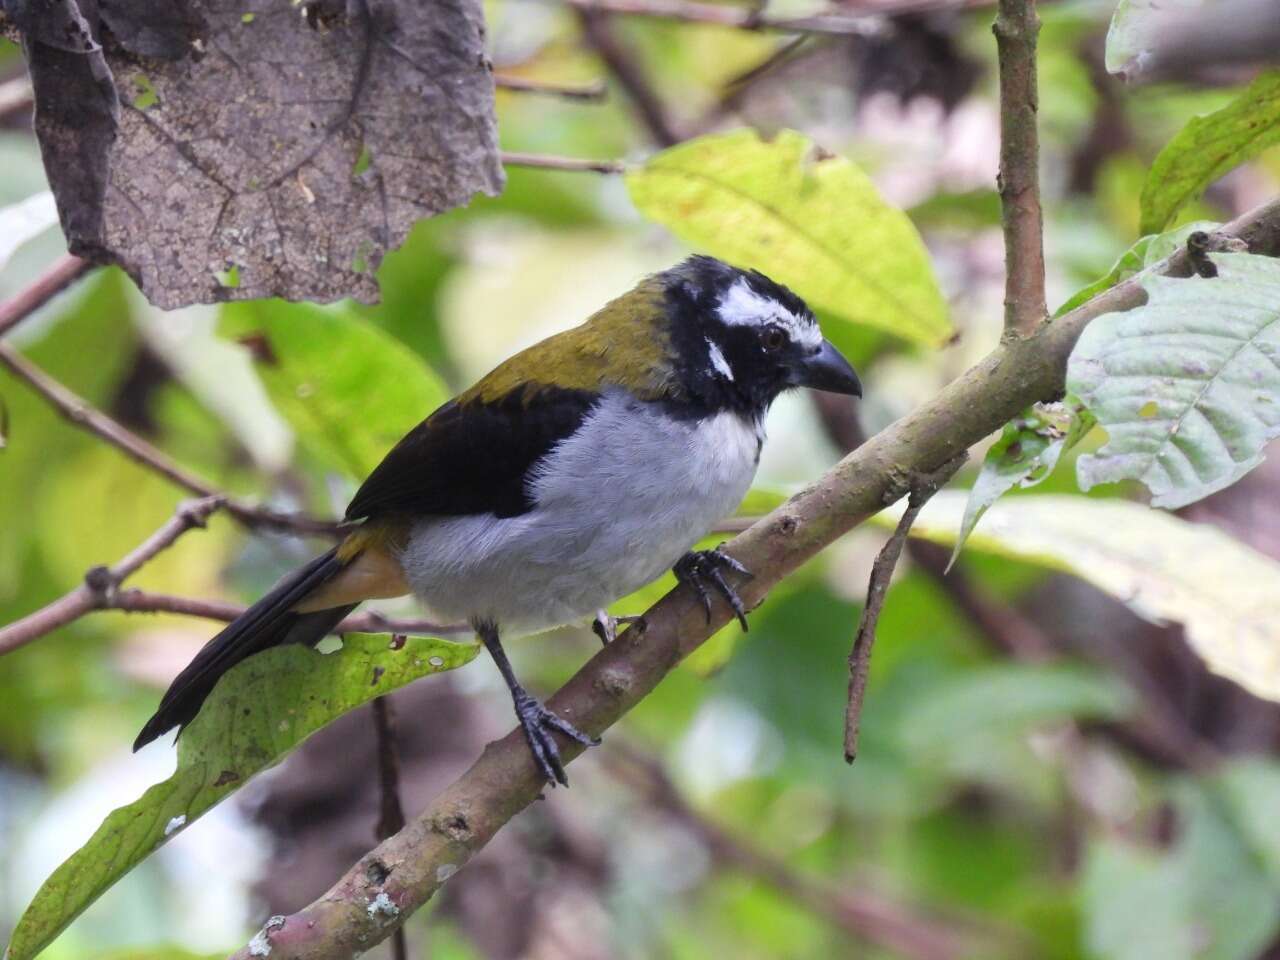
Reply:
x=1225 y=594
x=261 y=710
x=804 y=217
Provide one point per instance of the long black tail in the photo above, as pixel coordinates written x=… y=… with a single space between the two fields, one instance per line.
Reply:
x=268 y=623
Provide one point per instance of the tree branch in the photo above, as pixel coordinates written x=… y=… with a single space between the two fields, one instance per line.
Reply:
x=132 y=600
x=80 y=412
x=627 y=70
x=65 y=271
x=411 y=866
x=391 y=817
x=573 y=164
x=741 y=18
x=921 y=487
x=1015 y=27
x=101 y=582
x=593 y=92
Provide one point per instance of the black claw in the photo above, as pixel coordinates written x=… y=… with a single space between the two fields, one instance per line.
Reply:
x=697 y=567
x=538 y=722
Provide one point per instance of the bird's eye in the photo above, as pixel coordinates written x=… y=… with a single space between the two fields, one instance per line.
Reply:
x=774 y=339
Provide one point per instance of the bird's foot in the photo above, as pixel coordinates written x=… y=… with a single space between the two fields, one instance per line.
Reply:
x=606 y=627
x=704 y=569
x=538 y=724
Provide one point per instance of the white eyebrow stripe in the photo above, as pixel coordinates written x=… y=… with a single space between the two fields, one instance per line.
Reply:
x=718 y=361
x=742 y=306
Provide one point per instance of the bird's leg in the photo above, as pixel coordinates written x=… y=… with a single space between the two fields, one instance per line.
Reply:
x=703 y=569
x=606 y=627
x=536 y=721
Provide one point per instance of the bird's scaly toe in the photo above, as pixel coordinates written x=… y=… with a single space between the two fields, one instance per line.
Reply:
x=698 y=568
x=538 y=724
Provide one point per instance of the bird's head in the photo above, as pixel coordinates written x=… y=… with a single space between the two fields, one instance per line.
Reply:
x=740 y=339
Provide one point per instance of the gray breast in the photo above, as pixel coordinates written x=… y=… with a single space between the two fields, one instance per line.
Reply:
x=616 y=504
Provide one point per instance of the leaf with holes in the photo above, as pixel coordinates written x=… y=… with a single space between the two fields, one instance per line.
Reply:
x=1187 y=386
x=232 y=151
x=1209 y=147
x=259 y=711
x=1164 y=568
x=808 y=219
x=1026 y=453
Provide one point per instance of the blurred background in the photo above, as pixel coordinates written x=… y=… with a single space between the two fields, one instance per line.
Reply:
x=1042 y=772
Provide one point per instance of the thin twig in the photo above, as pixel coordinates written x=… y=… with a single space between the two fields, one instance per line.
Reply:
x=593 y=92
x=391 y=815
x=626 y=68
x=922 y=486
x=902 y=929
x=81 y=413
x=454 y=827
x=1015 y=27
x=134 y=600
x=740 y=18
x=72 y=606
x=65 y=271
x=101 y=582
x=545 y=161
x=735 y=90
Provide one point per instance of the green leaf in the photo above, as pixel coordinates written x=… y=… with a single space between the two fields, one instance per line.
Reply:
x=808 y=219
x=1206 y=897
x=1007 y=697
x=348 y=389
x=1145 y=252
x=261 y=710
x=1208 y=147
x=1225 y=594
x=1026 y=453
x=1187 y=386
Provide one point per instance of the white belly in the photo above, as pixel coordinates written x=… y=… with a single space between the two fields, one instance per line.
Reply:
x=617 y=504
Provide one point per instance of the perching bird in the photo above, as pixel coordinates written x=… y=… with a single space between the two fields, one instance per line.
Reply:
x=572 y=475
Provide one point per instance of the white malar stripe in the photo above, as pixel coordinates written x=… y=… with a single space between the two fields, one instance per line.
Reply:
x=718 y=361
x=742 y=306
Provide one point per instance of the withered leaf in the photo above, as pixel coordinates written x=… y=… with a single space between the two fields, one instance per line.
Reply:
x=260 y=150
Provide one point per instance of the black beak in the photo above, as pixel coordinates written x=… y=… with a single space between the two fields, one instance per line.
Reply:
x=829 y=370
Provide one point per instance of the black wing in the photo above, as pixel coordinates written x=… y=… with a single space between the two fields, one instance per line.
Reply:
x=473 y=456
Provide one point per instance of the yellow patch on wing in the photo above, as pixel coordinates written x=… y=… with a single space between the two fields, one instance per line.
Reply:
x=372 y=572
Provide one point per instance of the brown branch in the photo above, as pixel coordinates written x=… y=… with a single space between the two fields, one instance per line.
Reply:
x=626 y=68
x=81 y=413
x=593 y=92
x=922 y=487
x=544 y=161
x=1015 y=27
x=101 y=582
x=391 y=817
x=411 y=866
x=371 y=621
x=741 y=18
x=65 y=271
x=905 y=930
x=133 y=600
